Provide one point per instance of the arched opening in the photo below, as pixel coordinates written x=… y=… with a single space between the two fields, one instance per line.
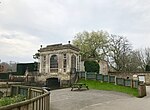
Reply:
x=73 y=64
x=54 y=63
x=53 y=83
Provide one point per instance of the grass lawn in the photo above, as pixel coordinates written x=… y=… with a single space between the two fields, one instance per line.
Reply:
x=109 y=87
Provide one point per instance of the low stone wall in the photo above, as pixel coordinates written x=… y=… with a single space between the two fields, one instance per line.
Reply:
x=130 y=75
x=43 y=77
x=64 y=78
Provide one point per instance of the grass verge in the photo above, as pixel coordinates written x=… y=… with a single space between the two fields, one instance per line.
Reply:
x=109 y=87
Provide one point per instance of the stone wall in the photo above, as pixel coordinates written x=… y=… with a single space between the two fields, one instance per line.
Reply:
x=42 y=77
x=130 y=75
x=82 y=68
x=103 y=67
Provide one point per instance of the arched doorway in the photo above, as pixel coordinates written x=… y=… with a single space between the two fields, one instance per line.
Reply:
x=53 y=83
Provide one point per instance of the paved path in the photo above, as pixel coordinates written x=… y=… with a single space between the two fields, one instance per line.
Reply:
x=64 y=99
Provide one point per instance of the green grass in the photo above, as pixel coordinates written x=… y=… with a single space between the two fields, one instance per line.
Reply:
x=109 y=87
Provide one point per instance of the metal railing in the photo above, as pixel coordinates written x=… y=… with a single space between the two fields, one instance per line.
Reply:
x=37 y=98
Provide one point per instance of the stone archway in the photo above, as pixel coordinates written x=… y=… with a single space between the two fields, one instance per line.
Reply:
x=53 y=83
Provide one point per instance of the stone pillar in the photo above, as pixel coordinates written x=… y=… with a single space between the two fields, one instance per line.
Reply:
x=77 y=62
x=47 y=64
x=68 y=62
x=60 y=63
x=40 y=66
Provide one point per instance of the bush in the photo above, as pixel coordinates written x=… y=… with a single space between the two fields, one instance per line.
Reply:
x=10 y=100
x=147 y=68
x=91 y=66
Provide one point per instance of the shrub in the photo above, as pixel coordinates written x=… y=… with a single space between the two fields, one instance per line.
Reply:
x=91 y=66
x=10 y=100
x=147 y=68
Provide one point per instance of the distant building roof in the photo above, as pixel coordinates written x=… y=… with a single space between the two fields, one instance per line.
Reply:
x=58 y=47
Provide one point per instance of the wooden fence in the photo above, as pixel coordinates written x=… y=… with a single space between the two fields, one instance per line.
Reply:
x=37 y=98
x=110 y=79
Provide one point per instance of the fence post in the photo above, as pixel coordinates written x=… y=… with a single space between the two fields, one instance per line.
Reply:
x=29 y=93
x=85 y=76
x=17 y=92
x=123 y=82
x=131 y=83
x=108 y=78
x=102 y=78
x=97 y=76
x=115 y=80
x=11 y=91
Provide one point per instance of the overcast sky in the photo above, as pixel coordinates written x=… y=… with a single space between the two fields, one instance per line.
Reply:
x=27 y=24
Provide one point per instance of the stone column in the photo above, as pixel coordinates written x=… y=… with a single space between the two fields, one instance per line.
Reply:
x=40 y=66
x=69 y=62
x=47 y=63
x=60 y=63
x=77 y=62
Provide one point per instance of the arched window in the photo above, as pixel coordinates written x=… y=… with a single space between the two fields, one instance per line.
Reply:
x=73 y=61
x=65 y=62
x=54 y=63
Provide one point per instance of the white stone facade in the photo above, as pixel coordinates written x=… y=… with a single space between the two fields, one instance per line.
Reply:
x=58 y=61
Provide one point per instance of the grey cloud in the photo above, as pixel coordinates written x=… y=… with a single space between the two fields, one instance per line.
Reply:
x=56 y=21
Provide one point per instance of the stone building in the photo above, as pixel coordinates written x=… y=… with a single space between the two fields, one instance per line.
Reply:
x=4 y=67
x=103 y=67
x=58 y=61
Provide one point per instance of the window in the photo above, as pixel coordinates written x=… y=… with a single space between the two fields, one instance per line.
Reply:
x=73 y=64
x=65 y=62
x=78 y=63
x=73 y=61
x=44 y=58
x=64 y=56
x=54 y=63
x=44 y=61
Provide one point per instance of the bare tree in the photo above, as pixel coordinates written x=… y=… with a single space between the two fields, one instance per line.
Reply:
x=134 y=62
x=117 y=52
x=144 y=57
